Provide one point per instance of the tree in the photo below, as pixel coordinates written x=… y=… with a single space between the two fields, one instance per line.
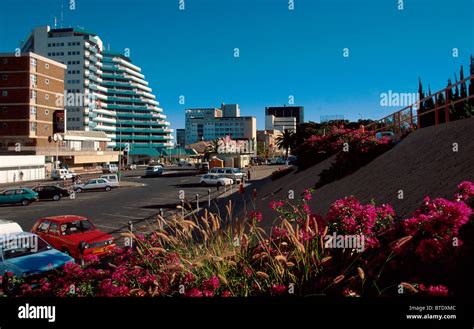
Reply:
x=286 y=140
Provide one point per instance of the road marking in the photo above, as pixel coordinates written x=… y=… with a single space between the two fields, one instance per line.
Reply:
x=185 y=180
x=124 y=216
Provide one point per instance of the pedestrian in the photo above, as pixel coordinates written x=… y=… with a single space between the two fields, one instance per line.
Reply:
x=21 y=175
x=73 y=178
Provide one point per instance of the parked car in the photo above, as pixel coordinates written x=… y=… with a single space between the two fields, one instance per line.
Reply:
x=292 y=159
x=62 y=174
x=94 y=184
x=153 y=171
x=131 y=166
x=202 y=167
x=215 y=179
x=66 y=233
x=387 y=134
x=278 y=161
x=110 y=168
x=25 y=196
x=9 y=227
x=233 y=173
x=48 y=192
x=183 y=163
x=112 y=178
x=28 y=256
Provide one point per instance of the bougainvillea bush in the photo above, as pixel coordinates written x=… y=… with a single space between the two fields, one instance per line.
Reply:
x=353 y=150
x=303 y=254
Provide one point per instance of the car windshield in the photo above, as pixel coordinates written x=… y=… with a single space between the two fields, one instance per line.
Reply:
x=23 y=246
x=78 y=226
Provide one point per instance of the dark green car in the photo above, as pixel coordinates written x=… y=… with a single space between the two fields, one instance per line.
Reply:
x=25 y=196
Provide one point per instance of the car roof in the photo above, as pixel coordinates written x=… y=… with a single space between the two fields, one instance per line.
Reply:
x=64 y=218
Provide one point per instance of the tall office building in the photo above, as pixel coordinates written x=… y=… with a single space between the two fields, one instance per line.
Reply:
x=108 y=92
x=283 y=117
x=181 y=137
x=31 y=97
x=211 y=123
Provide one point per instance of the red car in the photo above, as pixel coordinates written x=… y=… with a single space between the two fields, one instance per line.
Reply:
x=66 y=233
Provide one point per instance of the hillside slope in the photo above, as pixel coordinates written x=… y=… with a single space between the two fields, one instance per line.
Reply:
x=423 y=164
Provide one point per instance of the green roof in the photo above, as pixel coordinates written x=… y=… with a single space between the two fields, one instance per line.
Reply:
x=148 y=151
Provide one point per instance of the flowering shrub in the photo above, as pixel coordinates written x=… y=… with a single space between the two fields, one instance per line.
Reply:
x=279 y=173
x=197 y=258
x=354 y=150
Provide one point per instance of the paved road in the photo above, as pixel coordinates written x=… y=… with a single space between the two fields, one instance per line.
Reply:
x=111 y=211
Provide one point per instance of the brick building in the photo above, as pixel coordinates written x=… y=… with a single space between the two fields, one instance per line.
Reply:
x=31 y=101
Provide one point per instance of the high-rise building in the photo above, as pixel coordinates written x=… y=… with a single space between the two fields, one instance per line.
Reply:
x=210 y=123
x=283 y=117
x=181 y=137
x=81 y=51
x=104 y=91
x=31 y=101
x=131 y=115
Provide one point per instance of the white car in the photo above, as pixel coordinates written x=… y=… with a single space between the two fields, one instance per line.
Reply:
x=214 y=179
x=112 y=178
x=110 y=168
x=94 y=184
x=9 y=227
x=60 y=174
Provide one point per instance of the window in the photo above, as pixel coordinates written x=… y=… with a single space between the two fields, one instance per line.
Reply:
x=33 y=80
x=33 y=126
x=4 y=109
x=46 y=96
x=5 y=125
x=46 y=112
x=46 y=66
x=53 y=228
x=33 y=61
x=5 y=61
x=33 y=94
x=4 y=77
x=46 y=81
x=5 y=93
x=33 y=110
x=43 y=227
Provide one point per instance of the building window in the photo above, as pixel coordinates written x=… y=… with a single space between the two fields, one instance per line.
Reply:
x=4 y=109
x=46 y=81
x=33 y=80
x=5 y=61
x=33 y=94
x=33 y=126
x=46 y=96
x=33 y=61
x=46 y=112
x=46 y=66
x=4 y=77
x=5 y=93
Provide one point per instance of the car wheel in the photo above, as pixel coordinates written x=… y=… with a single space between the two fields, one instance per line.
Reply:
x=107 y=188
x=56 y=197
x=219 y=184
x=25 y=202
x=203 y=184
x=78 y=190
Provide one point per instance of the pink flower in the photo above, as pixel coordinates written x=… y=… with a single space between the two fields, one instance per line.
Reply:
x=255 y=216
x=275 y=205
x=194 y=292
x=307 y=194
x=226 y=293
x=466 y=191
x=211 y=284
x=440 y=291
x=278 y=289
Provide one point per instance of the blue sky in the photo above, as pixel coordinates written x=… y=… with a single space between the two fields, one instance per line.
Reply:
x=282 y=52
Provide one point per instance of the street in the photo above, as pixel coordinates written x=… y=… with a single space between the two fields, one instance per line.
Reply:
x=139 y=202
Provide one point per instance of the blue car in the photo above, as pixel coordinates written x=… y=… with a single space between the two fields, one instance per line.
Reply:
x=28 y=256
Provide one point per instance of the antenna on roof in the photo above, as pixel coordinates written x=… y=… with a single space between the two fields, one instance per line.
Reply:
x=62 y=14
x=55 y=22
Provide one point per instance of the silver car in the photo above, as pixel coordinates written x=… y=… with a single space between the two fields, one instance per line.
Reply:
x=94 y=184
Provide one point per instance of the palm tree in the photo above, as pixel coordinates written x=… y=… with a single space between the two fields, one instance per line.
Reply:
x=286 y=140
